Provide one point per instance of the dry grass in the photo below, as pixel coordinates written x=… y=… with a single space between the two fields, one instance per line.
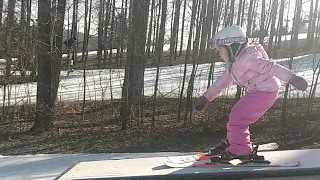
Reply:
x=101 y=133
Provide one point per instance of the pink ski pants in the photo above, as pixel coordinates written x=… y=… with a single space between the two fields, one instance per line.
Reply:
x=246 y=111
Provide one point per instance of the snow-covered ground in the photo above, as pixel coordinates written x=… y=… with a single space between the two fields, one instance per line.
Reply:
x=49 y=166
x=98 y=82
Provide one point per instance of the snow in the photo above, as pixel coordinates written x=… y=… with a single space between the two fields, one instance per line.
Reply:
x=98 y=82
x=43 y=167
x=49 y=166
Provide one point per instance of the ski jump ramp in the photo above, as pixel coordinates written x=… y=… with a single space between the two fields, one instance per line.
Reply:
x=154 y=168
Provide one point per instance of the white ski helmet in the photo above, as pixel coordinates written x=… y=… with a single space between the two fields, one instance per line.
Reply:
x=228 y=36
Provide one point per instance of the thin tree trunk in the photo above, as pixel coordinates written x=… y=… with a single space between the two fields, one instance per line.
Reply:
x=273 y=24
x=217 y=10
x=313 y=23
x=74 y=29
x=232 y=12
x=250 y=16
x=100 y=32
x=158 y=55
x=281 y=12
x=226 y=16
x=22 y=59
x=85 y=50
x=106 y=38
x=1 y=11
x=173 y=39
x=293 y=47
x=239 y=88
x=309 y=39
x=182 y=26
x=112 y=33
x=56 y=64
x=239 y=13
x=263 y=18
x=150 y=30
x=11 y=6
x=188 y=51
x=195 y=57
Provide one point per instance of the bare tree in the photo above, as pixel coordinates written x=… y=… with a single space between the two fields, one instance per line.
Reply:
x=312 y=23
x=10 y=26
x=182 y=26
x=188 y=52
x=262 y=20
x=44 y=106
x=132 y=87
x=100 y=31
x=280 y=29
x=195 y=58
x=87 y=23
x=175 y=28
x=159 y=55
x=56 y=64
x=250 y=17
x=273 y=24
x=74 y=29
x=293 y=47
x=150 y=28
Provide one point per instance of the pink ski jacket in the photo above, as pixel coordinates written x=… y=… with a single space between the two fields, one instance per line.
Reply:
x=253 y=70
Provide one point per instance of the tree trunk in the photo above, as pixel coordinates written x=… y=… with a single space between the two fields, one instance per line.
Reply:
x=182 y=26
x=239 y=88
x=263 y=18
x=44 y=113
x=150 y=30
x=85 y=49
x=293 y=47
x=11 y=6
x=1 y=11
x=239 y=12
x=313 y=23
x=105 y=33
x=273 y=24
x=217 y=10
x=22 y=59
x=195 y=57
x=250 y=16
x=232 y=12
x=187 y=57
x=100 y=32
x=159 y=55
x=74 y=28
x=56 y=64
x=136 y=60
x=175 y=28
x=226 y=10
x=280 y=32
x=309 y=39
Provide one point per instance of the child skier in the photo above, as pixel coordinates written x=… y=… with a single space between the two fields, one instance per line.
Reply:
x=249 y=66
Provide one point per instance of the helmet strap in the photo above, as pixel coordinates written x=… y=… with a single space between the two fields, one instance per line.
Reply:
x=233 y=56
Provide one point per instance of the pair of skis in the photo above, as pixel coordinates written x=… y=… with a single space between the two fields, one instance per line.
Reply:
x=201 y=160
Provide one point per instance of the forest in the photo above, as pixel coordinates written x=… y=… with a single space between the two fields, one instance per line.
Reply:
x=122 y=75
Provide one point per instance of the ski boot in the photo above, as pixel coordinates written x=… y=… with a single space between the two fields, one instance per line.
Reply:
x=253 y=157
x=219 y=149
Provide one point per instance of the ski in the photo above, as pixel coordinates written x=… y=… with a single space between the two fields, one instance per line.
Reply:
x=202 y=156
x=232 y=163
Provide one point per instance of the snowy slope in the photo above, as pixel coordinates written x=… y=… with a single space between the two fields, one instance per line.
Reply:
x=98 y=82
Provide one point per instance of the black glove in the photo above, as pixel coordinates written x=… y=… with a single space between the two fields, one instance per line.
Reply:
x=200 y=103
